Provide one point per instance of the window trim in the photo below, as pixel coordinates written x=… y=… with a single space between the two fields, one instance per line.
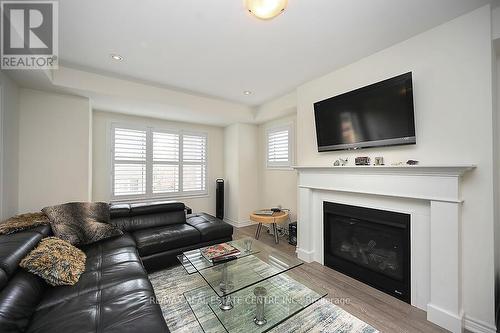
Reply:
x=291 y=146
x=149 y=195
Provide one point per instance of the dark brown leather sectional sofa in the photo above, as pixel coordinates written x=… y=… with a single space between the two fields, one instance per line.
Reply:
x=114 y=293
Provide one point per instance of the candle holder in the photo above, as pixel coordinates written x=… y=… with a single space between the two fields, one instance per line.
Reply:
x=248 y=245
x=260 y=293
x=226 y=303
x=225 y=285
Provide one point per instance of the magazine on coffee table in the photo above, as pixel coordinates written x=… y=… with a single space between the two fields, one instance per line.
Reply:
x=219 y=252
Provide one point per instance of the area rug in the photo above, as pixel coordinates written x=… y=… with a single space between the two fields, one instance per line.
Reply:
x=171 y=284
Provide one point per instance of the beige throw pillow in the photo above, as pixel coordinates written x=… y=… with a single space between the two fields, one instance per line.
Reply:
x=56 y=261
x=23 y=222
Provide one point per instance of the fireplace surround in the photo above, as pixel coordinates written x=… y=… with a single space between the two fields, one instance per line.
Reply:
x=430 y=194
x=370 y=245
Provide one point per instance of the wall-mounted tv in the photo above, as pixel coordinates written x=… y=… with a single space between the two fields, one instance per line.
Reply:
x=381 y=114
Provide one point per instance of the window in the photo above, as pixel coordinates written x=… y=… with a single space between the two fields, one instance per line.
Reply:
x=279 y=147
x=130 y=162
x=152 y=163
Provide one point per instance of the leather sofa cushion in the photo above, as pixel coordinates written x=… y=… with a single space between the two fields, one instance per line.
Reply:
x=109 y=244
x=18 y=301
x=159 y=261
x=112 y=295
x=108 y=263
x=139 y=222
x=210 y=227
x=44 y=230
x=14 y=247
x=127 y=210
x=160 y=239
x=119 y=210
x=124 y=307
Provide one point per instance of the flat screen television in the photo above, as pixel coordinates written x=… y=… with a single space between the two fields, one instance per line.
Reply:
x=381 y=114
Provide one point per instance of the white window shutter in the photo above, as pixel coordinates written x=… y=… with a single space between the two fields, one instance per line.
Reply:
x=279 y=147
x=194 y=158
x=153 y=164
x=129 y=156
x=165 y=162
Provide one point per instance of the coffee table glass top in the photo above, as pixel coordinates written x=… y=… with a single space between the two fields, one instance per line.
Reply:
x=193 y=261
x=232 y=276
x=285 y=295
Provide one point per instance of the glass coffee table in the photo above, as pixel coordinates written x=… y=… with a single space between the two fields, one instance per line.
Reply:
x=253 y=293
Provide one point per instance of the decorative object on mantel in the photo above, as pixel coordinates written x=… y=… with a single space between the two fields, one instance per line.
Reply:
x=362 y=161
x=412 y=162
x=379 y=161
x=341 y=162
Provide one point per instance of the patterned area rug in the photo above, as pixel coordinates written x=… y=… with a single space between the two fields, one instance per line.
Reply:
x=171 y=284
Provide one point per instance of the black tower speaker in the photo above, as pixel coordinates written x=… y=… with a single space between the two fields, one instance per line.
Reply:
x=219 y=199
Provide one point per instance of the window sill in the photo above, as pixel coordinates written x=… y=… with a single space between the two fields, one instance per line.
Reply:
x=155 y=199
x=280 y=168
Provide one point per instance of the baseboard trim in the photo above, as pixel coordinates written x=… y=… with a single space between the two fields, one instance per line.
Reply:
x=445 y=319
x=307 y=256
x=478 y=326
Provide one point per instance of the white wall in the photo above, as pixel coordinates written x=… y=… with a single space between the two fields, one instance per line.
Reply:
x=231 y=174
x=452 y=71
x=280 y=107
x=249 y=172
x=277 y=186
x=241 y=173
x=53 y=149
x=10 y=147
x=102 y=155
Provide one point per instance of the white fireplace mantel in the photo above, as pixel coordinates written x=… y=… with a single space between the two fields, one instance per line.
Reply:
x=438 y=185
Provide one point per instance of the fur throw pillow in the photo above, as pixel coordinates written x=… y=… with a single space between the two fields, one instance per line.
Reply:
x=56 y=261
x=81 y=223
x=23 y=222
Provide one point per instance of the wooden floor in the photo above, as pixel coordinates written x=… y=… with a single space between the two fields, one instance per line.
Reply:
x=374 y=307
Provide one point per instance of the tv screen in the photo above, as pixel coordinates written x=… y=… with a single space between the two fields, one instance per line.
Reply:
x=380 y=114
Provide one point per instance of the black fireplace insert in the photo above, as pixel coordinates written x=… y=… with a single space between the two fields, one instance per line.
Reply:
x=370 y=245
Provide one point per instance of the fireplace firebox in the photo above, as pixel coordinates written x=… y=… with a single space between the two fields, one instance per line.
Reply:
x=370 y=245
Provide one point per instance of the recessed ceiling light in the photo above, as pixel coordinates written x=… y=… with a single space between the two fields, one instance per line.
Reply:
x=247 y=92
x=116 y=57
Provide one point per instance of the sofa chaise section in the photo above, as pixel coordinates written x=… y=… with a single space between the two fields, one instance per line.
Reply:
x=163 y=230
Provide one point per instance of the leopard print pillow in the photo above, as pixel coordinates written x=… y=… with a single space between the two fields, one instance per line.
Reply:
x=81 y=223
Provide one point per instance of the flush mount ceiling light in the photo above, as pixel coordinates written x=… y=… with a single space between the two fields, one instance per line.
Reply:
x=266 y=9
x=116 y=57
x=247 y=92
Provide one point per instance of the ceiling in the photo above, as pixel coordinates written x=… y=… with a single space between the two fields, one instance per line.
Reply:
x=218 y=49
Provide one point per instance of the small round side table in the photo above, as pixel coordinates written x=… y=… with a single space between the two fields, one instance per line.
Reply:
x=276 y=218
